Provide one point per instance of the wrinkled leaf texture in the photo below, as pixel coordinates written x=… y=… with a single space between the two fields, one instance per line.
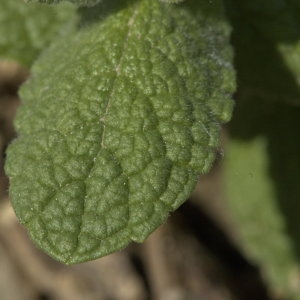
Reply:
x=117 y=123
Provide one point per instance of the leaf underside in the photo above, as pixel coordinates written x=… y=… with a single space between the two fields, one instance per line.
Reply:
x=117 y=123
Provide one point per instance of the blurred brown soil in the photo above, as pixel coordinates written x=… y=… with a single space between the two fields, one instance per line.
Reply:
x=193 y=256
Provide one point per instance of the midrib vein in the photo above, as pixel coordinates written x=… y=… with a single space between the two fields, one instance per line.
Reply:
x=118 y=71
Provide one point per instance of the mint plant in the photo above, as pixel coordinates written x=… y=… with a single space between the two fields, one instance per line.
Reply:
x=119 y=118
x=122 y=114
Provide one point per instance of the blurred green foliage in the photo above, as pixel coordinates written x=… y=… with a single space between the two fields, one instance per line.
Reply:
x=26 y=29
x=262 y=163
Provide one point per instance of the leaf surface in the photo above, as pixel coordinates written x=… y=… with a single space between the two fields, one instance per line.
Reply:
x=117 y=123
x=25 y=30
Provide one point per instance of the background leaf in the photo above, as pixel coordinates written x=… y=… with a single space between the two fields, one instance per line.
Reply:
x=262 y=157
x=90 y=2
x=25 y=30
x=118 y=121
x=262 y=166
x=76 y=2
x=266 y=38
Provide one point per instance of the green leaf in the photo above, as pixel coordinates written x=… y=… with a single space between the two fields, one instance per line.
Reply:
x=266 y=39
x=117 y=123
x=262 y=175
x=89 y=2
x=25 y=30
x=76 y=2
x=172 y=1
